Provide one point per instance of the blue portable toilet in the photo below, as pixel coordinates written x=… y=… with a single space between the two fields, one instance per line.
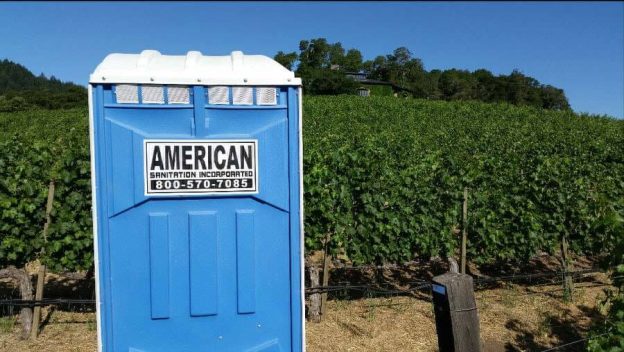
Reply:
x=197 y=193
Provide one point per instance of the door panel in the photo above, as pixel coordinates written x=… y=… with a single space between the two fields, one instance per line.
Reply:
x=197 y=273
x=125 y=146
x=216 y=279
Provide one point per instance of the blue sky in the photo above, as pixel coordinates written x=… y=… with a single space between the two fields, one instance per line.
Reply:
x=575 y=46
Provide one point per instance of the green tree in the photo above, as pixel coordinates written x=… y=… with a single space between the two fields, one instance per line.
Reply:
x=486 y=85
x=287 y=60
x=328 y=82
x=352 y=60
x=457 y=85
x=322 y=65
x=554 y=98
x=313 y=54
x=317 y=58
x=336 y=55
x=376 y=68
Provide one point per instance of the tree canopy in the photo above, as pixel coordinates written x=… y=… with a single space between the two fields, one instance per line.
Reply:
x=323 y=67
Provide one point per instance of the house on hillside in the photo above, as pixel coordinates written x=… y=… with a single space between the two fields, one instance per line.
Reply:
x=357 y=76
x=370 y=87
x=363 y=91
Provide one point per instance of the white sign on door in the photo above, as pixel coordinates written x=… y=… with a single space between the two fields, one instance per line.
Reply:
x=191 y=167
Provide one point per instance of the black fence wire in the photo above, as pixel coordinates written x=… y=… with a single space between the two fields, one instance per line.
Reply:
x=568 y=344
x=46 y=302
x=422 y=286
x=531 y=280
x=415 y=286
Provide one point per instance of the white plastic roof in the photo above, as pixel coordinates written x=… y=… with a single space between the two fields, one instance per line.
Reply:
x=151 y=67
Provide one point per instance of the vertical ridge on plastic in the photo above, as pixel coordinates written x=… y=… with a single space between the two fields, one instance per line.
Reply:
x=159 y=264
x=122 y=157
x=203 y=238
x=245 y=261
x=199 y=126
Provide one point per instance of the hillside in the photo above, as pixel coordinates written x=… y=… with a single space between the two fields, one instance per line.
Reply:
x=20 y=89
x=328 y=69
x=385 y=178
x=383 y=175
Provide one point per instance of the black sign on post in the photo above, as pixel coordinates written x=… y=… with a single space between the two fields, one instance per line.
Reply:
x=457 y=320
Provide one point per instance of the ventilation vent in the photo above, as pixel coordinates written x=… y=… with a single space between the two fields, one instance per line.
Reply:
x=152 y=95
x=127 y=94
x=242 y=95
x=266 y=96
x=218 y=95
x=178 y=95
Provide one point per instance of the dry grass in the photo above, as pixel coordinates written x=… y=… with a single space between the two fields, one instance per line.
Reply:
x=64 y=332
x=376 y=324
x=512 y=319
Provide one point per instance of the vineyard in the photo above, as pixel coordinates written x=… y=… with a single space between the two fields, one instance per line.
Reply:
x=384 y=179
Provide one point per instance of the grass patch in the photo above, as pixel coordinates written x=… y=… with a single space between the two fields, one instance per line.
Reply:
x=7 y=324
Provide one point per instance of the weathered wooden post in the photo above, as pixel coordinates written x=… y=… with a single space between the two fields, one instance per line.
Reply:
x=25 y=286
x=457 y=319
x=464 y=231
x=326 y=261
x=314 y=312
x=42 y=268
x=567 y=278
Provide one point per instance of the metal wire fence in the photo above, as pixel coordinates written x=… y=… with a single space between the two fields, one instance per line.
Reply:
x=415 y=287
x=422 y=285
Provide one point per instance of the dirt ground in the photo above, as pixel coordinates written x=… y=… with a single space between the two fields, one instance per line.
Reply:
x=513 y=318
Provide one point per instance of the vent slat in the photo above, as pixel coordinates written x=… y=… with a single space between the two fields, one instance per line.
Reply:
x=178 y=95
x=218 y=95
x=266 y=96
x=153 y=94
x=242 y=95
x=127 y=94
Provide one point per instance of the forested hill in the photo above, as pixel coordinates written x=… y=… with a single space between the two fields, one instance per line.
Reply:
x=325 y=69
x=20 y=89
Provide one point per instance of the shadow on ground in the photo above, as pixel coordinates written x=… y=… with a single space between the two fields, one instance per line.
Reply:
x=570 y=327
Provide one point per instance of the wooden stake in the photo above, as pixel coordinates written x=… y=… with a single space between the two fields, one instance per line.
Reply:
x=314 y=312
x=326 y=261
x=567 y=279
x=42 y=269
x=456 y=315
x=464 y=231
x=25 y=286
x=38 y=296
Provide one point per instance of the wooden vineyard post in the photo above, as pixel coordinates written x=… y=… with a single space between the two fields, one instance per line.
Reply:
x=25 y=286
x=567 y=279
x=314 y=312
x=464 y=231
x=456 y=316
x=326 y=262
x=42 y=269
